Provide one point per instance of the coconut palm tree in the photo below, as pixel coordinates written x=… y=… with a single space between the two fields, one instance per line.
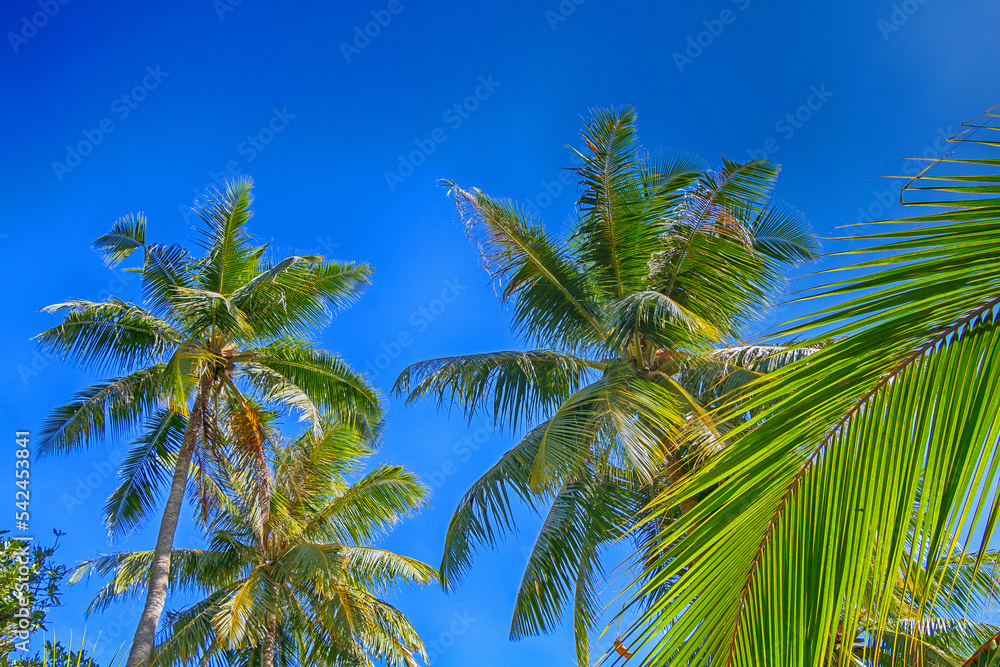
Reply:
x=218 y=343
x=302 y=586
x=800 y=533
x=634 y=318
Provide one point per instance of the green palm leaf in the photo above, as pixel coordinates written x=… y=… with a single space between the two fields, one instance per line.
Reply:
x=108 y=334
x=127 y=235
x=815 y=496
x=143 y=474
x=549 y=293
x=115 y=406
x=564 y=565
x=510 y=386
x=327 y=380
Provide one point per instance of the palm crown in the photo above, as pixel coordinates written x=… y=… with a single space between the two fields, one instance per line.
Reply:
x=207 y=364
x=301 y=587
x=665 y=262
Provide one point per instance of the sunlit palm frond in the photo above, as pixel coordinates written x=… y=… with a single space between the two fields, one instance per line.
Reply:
x=368 y=508
x=815 y=496
x=291 y=296
x=378 y=570
x=549 y=293
x=188 y=635
x=232 y=259
x=127 y=235
x=167 y=271
x=331 y=384
x=113 y=407
x=143 y=474
x=618 y=211
x=715 y=276
x=782 y=233
x=564 y=566
x=511 y=387
x=109 y=334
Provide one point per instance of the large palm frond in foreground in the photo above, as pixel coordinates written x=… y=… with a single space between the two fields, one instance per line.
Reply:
x=807 y=519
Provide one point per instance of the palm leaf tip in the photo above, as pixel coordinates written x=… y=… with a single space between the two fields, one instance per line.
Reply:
x=126 y=236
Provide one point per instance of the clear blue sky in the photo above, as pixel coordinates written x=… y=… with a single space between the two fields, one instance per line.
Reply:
x=140 y=103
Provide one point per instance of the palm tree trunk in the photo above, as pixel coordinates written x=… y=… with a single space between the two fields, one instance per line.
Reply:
x=267 y=643
x=159 y=569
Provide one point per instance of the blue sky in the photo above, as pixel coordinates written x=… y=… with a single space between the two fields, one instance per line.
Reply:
x=117 y=107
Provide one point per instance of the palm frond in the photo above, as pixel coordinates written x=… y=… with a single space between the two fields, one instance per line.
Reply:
x=297 y=294
x=114 y=406
x=715 y=273
x=379 y=570
x=188 y=634
x=511 y=387
x=127 y=235
x=166 y=272
x=617 y=231
x=330 y=383
x=782 y=233
x=564 y=566
x=815 y=495
x=109 y=334
x=484 y=514
x=231 y=258
x=549 y=294
x=369 y=507
x=144 y=472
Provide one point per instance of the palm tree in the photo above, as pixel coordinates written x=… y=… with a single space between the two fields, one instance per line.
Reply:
x=218 y=341
x=626 y=347
x=801 y=529
x=302 y=586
